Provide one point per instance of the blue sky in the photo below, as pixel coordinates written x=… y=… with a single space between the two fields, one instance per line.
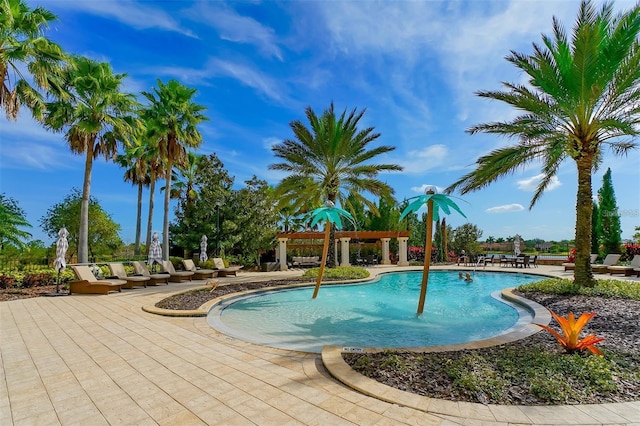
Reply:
x=413 y=65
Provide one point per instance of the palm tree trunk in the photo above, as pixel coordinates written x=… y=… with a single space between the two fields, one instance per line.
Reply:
x=167 y=198
x=83 y=232
x=427 y=257
x=584 y=207
x=152 y=190
x=332 y=244
x=136 y=249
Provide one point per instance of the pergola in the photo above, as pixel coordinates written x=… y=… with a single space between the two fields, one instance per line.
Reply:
x=344 y=237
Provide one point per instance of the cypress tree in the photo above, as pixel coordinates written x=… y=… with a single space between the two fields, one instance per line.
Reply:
x=608 y=219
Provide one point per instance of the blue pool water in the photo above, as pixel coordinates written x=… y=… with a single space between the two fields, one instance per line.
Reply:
x=380 y=314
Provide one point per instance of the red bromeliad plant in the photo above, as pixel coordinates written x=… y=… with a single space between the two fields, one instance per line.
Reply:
x=571 y=330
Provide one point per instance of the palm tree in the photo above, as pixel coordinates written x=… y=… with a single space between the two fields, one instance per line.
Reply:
x=22 y=42
x=95 y=117
x=172 y=118
x=582 y=96
x=184 y=179
x=137 y=172
x=12 y=217
x=330 y=161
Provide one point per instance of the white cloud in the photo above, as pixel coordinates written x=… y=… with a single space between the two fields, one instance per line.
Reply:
x=507 y=208
x=425 y=186
x=132 y=13
x=249 y=77
x=236 y=28
x=419 y=161
x=531 y=184
x=269 y=142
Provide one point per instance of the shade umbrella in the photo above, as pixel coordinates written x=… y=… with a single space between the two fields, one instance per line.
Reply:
x=516 y=244
x=60 y=262
x=155 y=251
x=329 y=214
x=203 y=249
x=435 y=203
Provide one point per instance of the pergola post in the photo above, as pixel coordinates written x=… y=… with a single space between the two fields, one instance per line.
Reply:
x=402 y=251
x=344 y=249
x=282 y=253
x=385 y=251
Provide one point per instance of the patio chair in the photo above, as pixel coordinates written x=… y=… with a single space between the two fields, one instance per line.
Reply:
x=141 y=269
x=570 y=266
x=625 y=269
x=176 y=276
x=610 y=260
x=198 y=274
x=117 y=270
x=522 y=261
x=89 y=284
x=224 y=271
x=504 y=260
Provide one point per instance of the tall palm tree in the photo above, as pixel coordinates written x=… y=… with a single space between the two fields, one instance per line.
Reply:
x=184 y=179
x=95 y=117
x=173 y=118
x=330 y=161
x=583 y=95
x=22 y=43
x=137 y=172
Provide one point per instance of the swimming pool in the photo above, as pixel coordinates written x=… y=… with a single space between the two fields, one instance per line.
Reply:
x=380 y=314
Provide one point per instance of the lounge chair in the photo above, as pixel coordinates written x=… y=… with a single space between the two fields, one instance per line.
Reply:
x=626 y=269
x=570 y=266
x=610 y=260
x=198 y=274
x=117 y=270
x=224 y=271
x=141 y=269
x=176 y=276
x=89 y=284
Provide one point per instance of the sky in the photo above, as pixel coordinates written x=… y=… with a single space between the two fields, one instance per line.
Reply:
x=415 y=67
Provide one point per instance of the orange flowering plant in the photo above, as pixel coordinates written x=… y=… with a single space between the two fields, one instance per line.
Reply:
x=571 y=330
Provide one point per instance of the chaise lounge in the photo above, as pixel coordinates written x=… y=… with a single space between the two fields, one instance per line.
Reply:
x=89 y=284
x=141 y=269
x=224 y=271
x=603 y=268
x=626 y=269
x=117 y=270
x=176 y=276
x=570 y=266
x=198 y=274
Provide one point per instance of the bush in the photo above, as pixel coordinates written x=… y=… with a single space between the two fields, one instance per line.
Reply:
x=340 y=272
x=6 y=281
x=38 y=280
x=603 y=288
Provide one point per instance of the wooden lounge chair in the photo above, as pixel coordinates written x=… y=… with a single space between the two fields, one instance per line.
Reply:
x=154 y=279
x=176 y=276
x=570 y=266
x=626 y=269
x=117 y=270
x=225 y=271
x=198 y=274
x=85 y=287
x=89 y=284
x=610 y=260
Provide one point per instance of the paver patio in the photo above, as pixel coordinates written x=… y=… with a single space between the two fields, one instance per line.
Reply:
x=95 y=359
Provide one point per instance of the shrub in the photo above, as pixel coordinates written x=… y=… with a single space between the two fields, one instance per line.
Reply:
x=38 y=280
x=603 y=288
x=6 y=281
x=340 y=272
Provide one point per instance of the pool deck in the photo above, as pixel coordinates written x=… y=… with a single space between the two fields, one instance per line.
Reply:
x=96 y=359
